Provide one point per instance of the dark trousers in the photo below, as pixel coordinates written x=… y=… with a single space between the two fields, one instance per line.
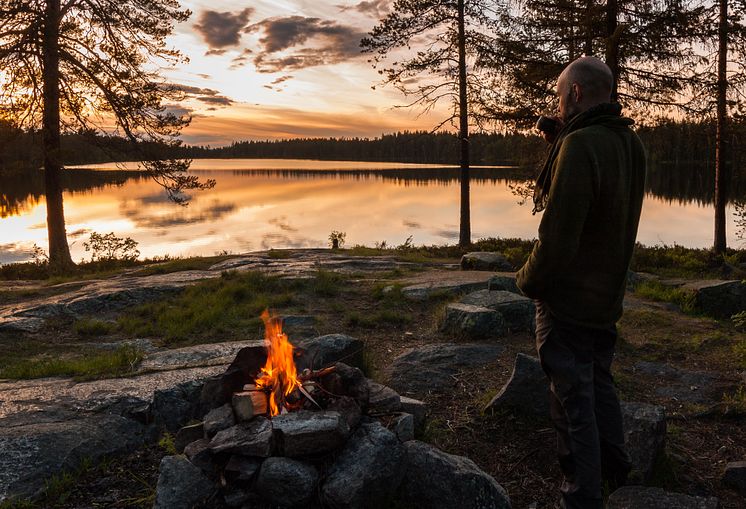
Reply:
x=584 y=407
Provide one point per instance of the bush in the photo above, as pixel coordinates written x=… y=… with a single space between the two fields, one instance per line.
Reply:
x=109 y=247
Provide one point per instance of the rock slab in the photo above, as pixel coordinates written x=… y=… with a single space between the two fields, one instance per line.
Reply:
x=367 y=472
x=519 y=311
x=719 y=299
x=634 y=497
x=253 y=438
x=473 y=322
x=181 y=485
x=485 y=260
x=432 y=367
x=307 y=432
x=437 y=480
x=526 y=391
x=287 y=482
x=645 y=437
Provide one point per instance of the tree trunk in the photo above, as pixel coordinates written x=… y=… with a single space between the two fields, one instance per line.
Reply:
x=612 y=44
x=465 y=224
x=722 y=136
x=59 y=252
x=588 y=28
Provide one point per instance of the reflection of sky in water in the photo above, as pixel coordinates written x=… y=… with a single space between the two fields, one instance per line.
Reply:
x=247 y=212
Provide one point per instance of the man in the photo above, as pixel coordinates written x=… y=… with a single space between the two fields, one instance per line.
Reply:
x=591 y=190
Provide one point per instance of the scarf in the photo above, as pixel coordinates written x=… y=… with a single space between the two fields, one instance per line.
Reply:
x=597 y=115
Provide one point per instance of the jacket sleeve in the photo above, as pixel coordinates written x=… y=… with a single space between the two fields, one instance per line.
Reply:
x=573 y=190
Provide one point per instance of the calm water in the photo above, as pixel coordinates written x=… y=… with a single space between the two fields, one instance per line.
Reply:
x=261 y=204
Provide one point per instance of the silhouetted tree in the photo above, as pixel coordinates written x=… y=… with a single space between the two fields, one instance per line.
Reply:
x=89 y=64
x=447 y=35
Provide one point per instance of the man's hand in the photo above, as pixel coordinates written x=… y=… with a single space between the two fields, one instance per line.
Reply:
x=551 y=134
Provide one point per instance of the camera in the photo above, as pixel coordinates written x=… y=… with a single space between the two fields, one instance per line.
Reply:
x=547 y=125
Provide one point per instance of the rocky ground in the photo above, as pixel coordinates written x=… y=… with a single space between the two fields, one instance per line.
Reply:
x=431 y=331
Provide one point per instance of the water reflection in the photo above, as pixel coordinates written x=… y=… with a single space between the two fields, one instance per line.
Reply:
x=259 y=204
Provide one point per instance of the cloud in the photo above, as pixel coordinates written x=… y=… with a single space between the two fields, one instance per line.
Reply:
x=141 y=215
x=372 y=8
x=205 y=95
x=221 y=30
x=297 y=42
x=178 y=110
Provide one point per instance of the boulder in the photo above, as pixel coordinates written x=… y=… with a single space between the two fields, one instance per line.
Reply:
x=181 y=485
x=324 y=351
x=645 y=437
x=432 y=367
x=241 y=468
x=503 y=283
x=287 y=482
x=173 y=407
x=348 y=409
x=200 y=455
x=720 y=299
x=424 y=291
x=417 y=408
x=735 y=476
x=187 y=435
x=437 y=480
x=518 y=311
x=219 y=419
x=527 y=390
x=253 y=438
x=367 y=472
x=473 y=322
x=383 y=400
x=306 y=432
x=636 y=497
x=484 y=260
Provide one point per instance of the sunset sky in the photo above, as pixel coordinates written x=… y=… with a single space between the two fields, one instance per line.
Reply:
x=281 y=69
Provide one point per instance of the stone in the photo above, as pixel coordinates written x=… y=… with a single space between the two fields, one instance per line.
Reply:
x=635 y=279
x=299 y=326
x=213 y=354
x=35 y=447
x=241 y=468
x=219 y=419
x=473 y=322
x=735 y=476
x=527 y=390
x=635 y=497
x=16 y=324
x=403 y=427
x=719 y=299
x=199 y=454
x=348 y=408
x=348 y=381
x=174 y=407
x=699 y=387
x=437 y=480
x=519 y=311
x=423 y=291
x=432 y=367
x=305 y=432
x=218 y=390
x=253 y=438
x=236 y=497
x=367 y=472
x=287 y=482
x=324 y=351
x=503 y=283
x=187 y=435
x=417 y=408
x=485 y=260
x=247 y=404
x=383 y=400
x=645 y=437
x=181 y=485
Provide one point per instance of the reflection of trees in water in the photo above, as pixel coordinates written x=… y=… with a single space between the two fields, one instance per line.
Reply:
x=690 y=183
x=22 y=191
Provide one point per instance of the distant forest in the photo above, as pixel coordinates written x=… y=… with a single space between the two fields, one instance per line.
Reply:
x=673 y=142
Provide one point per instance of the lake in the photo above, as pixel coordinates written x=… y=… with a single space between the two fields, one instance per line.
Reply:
x=262 y=204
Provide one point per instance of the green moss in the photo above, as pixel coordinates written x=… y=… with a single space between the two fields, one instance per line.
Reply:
x=166 y=442
x=657 y=291
x=93 y=365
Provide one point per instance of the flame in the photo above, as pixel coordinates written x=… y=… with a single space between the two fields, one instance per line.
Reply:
x=279 y=374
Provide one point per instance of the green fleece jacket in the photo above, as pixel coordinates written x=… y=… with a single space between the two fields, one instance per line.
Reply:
x=579 y=265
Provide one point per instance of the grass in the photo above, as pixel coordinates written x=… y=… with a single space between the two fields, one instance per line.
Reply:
x=657 y=291
x=91 y=327
x=167 y=443
x=93 y=365
x=180 y=264
x=224 y=307
x=378 y=318
x=739 y=350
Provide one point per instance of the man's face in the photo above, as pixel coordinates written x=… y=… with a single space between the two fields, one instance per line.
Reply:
x=568 y=106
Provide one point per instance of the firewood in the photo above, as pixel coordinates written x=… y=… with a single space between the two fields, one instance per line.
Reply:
x=248 y=404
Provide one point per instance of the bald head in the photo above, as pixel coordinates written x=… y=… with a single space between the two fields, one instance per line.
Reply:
x=585 y=83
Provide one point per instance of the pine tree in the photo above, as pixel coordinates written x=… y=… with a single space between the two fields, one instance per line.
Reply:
x=88 y=64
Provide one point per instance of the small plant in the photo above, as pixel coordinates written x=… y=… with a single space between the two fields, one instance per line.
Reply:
x=167 y=443
x=88 y=327
x=39 y=257
x=337 y=239
x=380 y=245
x=406 y=245
x=109 y=247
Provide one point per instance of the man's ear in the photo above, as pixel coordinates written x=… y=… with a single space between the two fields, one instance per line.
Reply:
x=577 y=92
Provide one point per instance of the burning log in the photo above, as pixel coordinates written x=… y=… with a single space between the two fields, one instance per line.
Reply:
x=249 y=403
